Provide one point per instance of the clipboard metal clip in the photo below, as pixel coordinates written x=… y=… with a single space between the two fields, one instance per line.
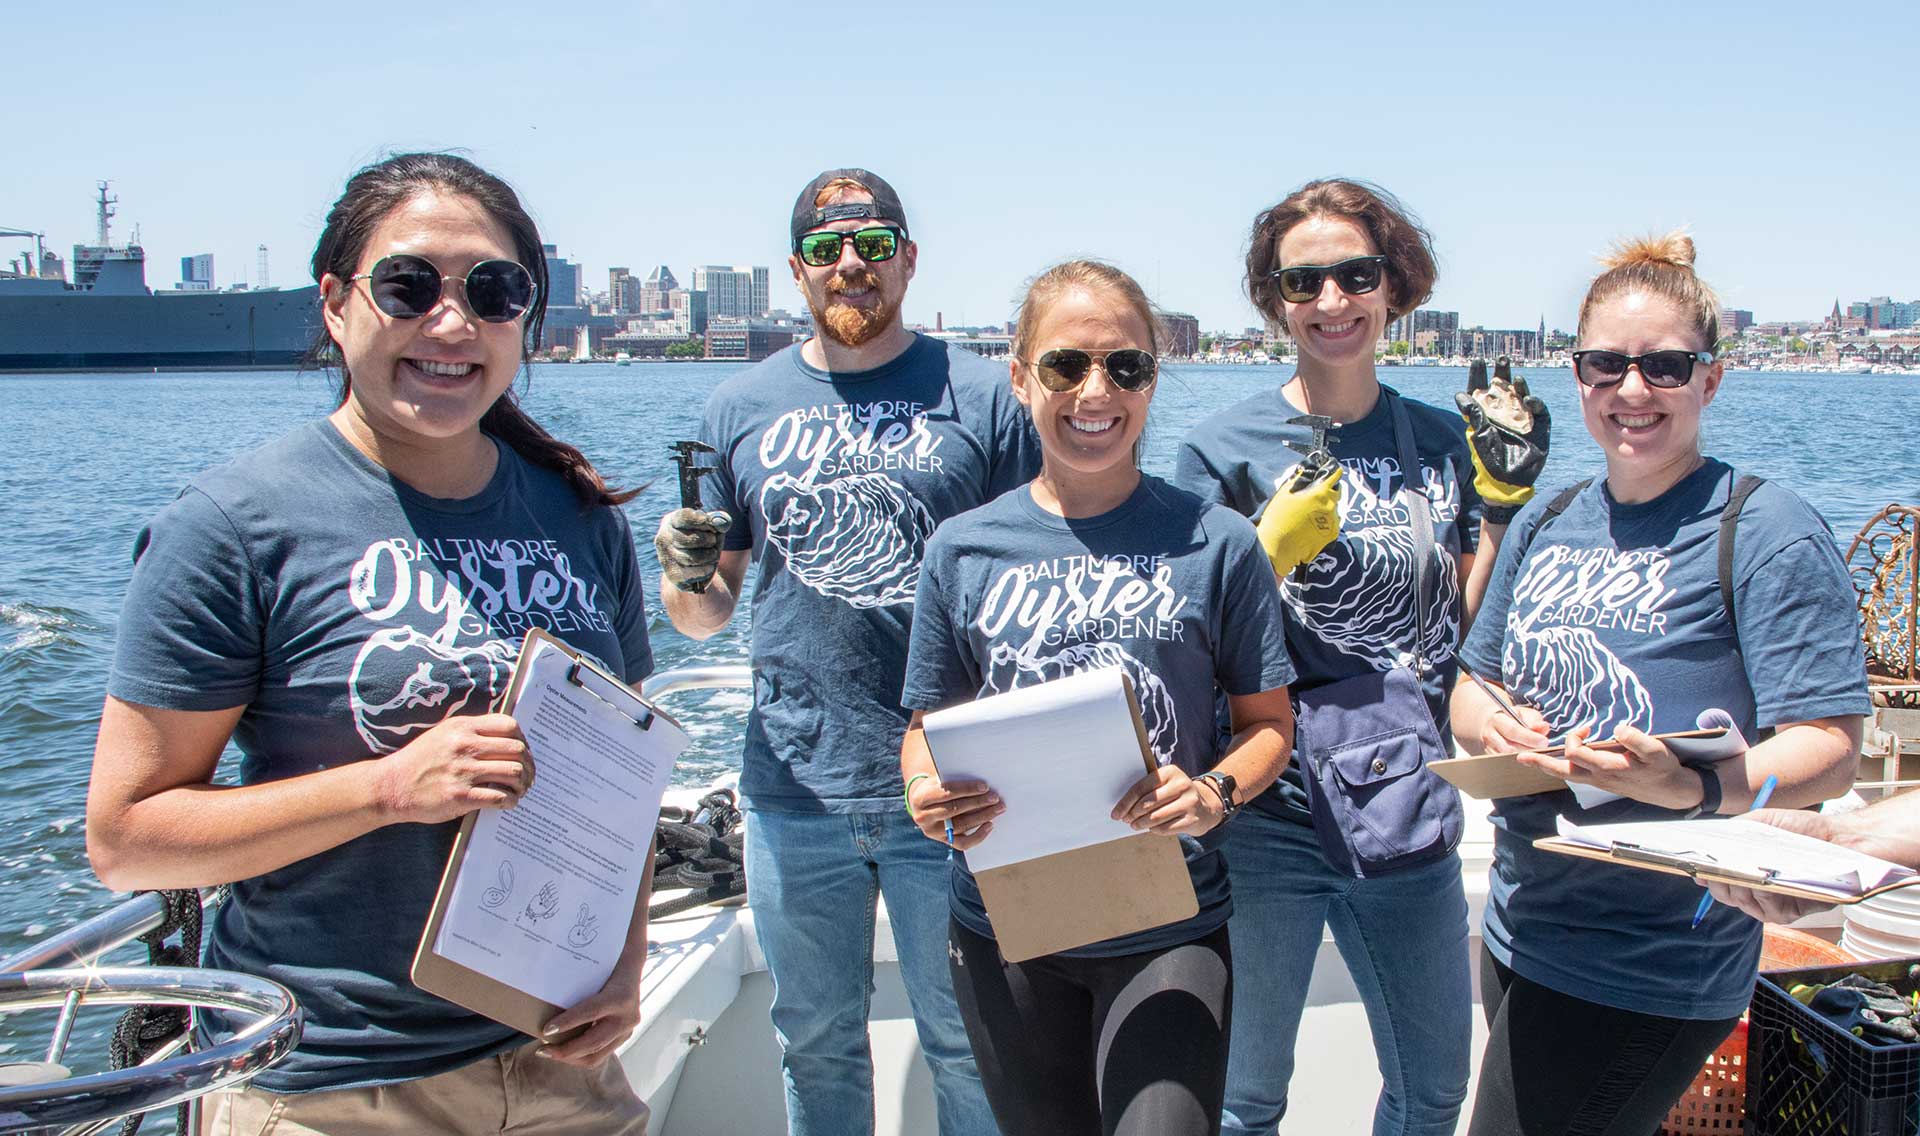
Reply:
x=1690 y=863
x=645 y=721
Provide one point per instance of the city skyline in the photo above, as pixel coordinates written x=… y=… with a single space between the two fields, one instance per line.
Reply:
x=645 y=134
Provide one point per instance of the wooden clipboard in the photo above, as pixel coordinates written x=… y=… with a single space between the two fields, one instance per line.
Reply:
x=1087 y=895
x=458 y=984
x=1490 y=776
x=1652 y=860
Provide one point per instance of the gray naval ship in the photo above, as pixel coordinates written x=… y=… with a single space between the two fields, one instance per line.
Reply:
x=107 y=319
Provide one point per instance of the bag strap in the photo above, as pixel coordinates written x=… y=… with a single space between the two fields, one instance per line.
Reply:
x=1419 y=516
x=1743 y=487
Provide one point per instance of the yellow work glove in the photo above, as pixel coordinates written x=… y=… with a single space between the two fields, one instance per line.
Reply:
x=1298 y=522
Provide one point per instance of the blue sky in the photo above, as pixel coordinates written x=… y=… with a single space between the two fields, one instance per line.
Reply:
x=1526 y=136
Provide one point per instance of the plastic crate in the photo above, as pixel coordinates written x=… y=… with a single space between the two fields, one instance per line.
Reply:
x=1716 y=1101
x=1809 y=1077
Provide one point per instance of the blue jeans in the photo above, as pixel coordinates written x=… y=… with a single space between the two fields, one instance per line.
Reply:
x=1404 y=939
x=813 y=879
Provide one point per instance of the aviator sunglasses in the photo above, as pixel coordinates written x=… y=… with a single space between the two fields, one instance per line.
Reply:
x=1301 y=284
x=406 y=286
x=1663 y=369
x=872 y=245
x=1065 y=368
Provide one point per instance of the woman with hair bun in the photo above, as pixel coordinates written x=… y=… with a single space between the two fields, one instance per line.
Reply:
x=1373 y=592
x=1617 y=610
x=1094 y=564
x=345 y=604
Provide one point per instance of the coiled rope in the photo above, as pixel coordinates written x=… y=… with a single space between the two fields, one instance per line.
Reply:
x=143 y=1030
x=701 y=851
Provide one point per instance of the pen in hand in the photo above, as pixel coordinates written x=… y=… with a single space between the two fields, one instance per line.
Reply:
x=1759 y=802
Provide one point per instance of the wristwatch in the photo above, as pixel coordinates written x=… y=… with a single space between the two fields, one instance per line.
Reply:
x=1709 y=793
x=1223 y=784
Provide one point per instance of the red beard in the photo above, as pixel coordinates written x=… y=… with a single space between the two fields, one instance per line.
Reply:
x=851 y=326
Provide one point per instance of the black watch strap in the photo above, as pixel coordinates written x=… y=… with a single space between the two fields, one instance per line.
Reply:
x=1709 y=792
x=1224 y=785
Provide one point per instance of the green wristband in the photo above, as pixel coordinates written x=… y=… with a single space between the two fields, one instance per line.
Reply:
x=908 y=794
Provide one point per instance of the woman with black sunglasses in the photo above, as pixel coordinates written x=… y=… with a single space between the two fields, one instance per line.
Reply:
x=1620 y=608
x=344 y=605
x=1368 y=511
x=1094 y=564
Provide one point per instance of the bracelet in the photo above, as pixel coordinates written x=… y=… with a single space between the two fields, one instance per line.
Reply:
x=907 y=795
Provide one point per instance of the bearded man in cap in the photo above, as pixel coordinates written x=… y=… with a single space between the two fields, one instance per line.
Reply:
x=836 y=459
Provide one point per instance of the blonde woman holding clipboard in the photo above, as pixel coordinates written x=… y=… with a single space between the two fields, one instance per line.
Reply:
x=1095 y=564
x=345 y=604
x=1617 y=609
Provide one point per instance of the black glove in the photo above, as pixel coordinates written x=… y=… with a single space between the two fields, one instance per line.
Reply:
x=1506 y=463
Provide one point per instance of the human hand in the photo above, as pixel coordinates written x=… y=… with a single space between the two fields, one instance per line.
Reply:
x=1299 y=521
x=463 y=763
x=1508 y=430
x=969 y=805
x=1772 y=907
x=688 y=544
x=1167 y=801
x=1501 y=734
x=1642 y=768
x=603 y=1020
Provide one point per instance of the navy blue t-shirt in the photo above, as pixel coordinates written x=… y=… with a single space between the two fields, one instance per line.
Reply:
x=349 y=613
x=1610 y=615
x=1174 y=590
x=835 y=481
x=1354 y=612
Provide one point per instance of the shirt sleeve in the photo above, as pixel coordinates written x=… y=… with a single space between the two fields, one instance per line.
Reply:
x=192 y=632
x=940 y=668
x=1016 y=447
x=1799 y=629
x=720 y=489
x=1486 y=640
x=1192 y=473
x=1253 y=641
x=630 y=619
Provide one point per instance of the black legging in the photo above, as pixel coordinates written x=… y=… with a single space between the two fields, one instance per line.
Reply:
x=1557 y=1065
x=1128 y=1046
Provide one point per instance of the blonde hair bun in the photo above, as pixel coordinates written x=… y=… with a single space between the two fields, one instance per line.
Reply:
x=1675 y=249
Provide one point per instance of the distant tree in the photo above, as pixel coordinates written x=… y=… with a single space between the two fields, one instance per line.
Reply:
x=1399 y=347
x=692 y=349
x=1798 y=346
x=1206 y=344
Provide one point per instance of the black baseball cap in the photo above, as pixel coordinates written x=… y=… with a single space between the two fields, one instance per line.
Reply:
x=885 y=205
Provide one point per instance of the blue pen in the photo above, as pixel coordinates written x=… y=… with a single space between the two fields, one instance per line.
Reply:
x=1759 y=802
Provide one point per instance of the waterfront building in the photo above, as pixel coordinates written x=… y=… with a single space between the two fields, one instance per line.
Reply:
x=656 y=291
x=736 y=292
x=692 y=309
x=623 y=292
x=1183 y=333
x=993 y=344
x=1488 y=343
x=1733 y=321
x=1427 y=331
x=747 y=339
x=196 y=273
x=563 y=278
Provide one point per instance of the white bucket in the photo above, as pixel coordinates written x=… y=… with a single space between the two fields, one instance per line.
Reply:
x=1886 y=926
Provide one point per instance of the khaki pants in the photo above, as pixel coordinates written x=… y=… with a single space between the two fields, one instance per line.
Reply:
x=511 y=1092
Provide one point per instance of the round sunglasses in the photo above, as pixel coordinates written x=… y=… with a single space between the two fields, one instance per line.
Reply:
x=406 y=286
x=1065 y=368
x=1356 y=276
x=1664 y=369
x=872 y=245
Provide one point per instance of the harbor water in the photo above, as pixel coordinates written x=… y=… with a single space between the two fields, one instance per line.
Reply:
x=90 y=458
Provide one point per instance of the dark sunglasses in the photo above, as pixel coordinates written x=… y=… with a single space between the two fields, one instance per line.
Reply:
x=1301 y=284
x=872 y=245
x=1065 y=368
x=1663 y=369
x=406 y=286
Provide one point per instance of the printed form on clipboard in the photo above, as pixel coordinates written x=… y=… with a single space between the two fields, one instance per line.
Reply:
x=1735 y=851
x=538 y=899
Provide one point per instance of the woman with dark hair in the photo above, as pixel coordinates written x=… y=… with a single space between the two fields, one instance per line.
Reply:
x=1628 y=605
x=345 y=605
x=1094 y=564
x=1374 y=559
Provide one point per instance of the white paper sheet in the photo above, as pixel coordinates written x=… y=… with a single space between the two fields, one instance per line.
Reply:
x=1061 y=754
x=1690 y=750
x=545 y=895
x=1748 y=846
